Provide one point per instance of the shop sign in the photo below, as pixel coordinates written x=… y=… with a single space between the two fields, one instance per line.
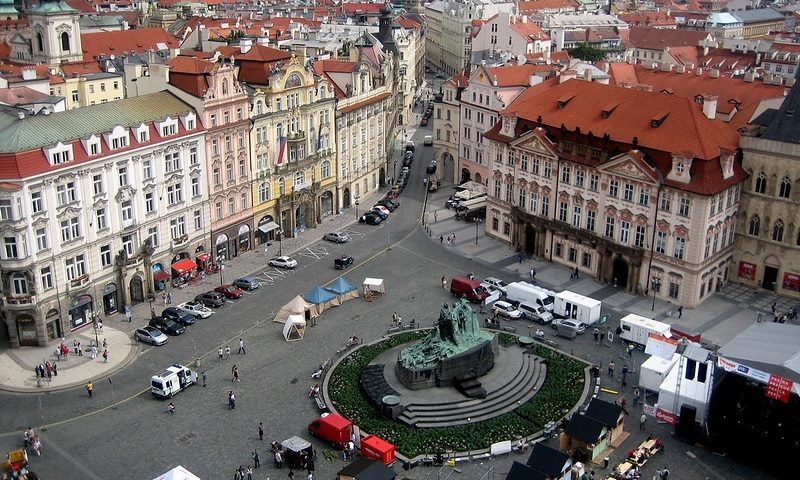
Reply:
x=664 y=416
x=779 y=388
x=747 y=270
x=744 y=370
x=791 y=281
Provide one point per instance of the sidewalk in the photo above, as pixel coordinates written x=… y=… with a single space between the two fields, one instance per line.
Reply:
x=17 y=365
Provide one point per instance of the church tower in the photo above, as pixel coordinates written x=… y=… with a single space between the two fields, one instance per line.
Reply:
x=55 y=33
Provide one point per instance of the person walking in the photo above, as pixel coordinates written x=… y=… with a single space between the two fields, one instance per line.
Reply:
x=631 y=348
x=169 y=299
x=444 y=283
x=642 y=421
x=261 y=431
x=636 y=395
x=105 y=356
x=611 y=369
x=596 y=335
x=256 y=459
x=55 y=369
x=680 y=311
x=441 y=239
x=227 y=352
x=241 y=346
x=164 y=298
x=221 y=352
x=90 y=388
x=249 y=473
x=235 y=372
x=205 y=377
x=278 y=458
x=171 y=408
x=231 y=400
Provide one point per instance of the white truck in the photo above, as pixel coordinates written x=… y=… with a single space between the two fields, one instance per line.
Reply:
x=172 y=380
x=523 y=292
x=578 y=307
x=636 y=329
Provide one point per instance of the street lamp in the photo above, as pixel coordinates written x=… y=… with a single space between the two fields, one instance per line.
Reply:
x=356 y=208
x=221 y=268
x=477 y=225
x=280 y=242
x=655 y=285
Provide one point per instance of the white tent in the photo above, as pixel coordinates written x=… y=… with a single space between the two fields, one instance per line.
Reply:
x=297 y=306
x=294 y=328
x=697 y=380
x=374 y=285
x=178 y=473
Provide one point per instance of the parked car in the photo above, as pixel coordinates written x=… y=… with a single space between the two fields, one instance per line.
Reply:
x=423 y=122
x=150 y=335
x=166 y=325
x=342 y=262
x=211 y=299
x=494 y=283
x=431 y=169
x=282 y=262
x=535 y=313
x=178 y=316
x=389 y=204
x=247 y=283
x=370 y=218
x=195 y=308
x=229 y=291
x=337 y=237
x=571 y=323
x=382 y=208
x=505 y=309
x=428 y=140
x=379 y=213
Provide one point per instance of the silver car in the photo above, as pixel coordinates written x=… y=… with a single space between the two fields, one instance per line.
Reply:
x=336 y=237
x=150 y=335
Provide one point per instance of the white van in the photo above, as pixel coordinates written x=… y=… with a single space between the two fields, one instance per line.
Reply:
x=522 y=292
x=172 y=380
x=535 y=313
x=428 y=140
x=637 y=329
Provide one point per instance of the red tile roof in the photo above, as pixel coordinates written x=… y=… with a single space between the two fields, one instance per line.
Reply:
x=356 y=8
x=131 y=41
x=364 y=103
x=327 y=67
x=76 y=69
x=575 y=104
x=408 y=23
x=527 y=29
x=725 y=60
x=650 y=38
x=534 y=6
x=516 y=75
x=190 y=75
x=647 y=19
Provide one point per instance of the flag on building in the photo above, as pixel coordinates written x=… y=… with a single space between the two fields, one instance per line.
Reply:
x=281 y=150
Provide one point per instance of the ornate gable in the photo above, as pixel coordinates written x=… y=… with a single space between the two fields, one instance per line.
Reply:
x=631 y=165
x=534 y=141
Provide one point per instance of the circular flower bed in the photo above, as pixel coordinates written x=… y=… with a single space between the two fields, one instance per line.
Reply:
x=560 y=392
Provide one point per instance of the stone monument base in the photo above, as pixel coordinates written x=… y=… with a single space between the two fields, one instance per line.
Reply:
x=472 y=363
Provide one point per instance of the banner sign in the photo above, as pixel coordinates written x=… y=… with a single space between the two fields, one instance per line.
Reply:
x=779 y=388
x=775 y=383
x=664 y=416
x=747 y=270
x=660 y=346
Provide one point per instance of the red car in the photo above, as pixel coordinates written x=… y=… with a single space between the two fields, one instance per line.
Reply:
x=423 y=122
x=229 y=291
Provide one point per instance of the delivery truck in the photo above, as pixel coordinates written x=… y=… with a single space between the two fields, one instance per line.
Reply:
x=636 y=329
x=332 y=428
x=172 y=380
x=523 y=292
x=578 y=307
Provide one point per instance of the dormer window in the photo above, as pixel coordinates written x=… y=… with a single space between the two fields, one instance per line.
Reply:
x=91 y=145
x=117 y=138
x=119 y=142
x=189 y=121
x=59 y=153
x=680 y=167
x=167 y=127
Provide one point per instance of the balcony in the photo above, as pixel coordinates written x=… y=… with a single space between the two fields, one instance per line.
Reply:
x=180 y=241
x=79 y=282
x=134 y=260
x=299 y=136
x=22 y=302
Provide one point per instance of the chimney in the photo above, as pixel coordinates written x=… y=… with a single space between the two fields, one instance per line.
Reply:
x=714 y=73
x=20 y=114
x=790 y=82
x=524 y=19
x=767 y=79
x=29 y=73
x=666 y=67
x=680 y=69
x=698 y=71
x=245 y=44
x=749 y=77
x=587 y=74
x=534 y=80
x=710 y=106
x=263 y=40
x=567 y=75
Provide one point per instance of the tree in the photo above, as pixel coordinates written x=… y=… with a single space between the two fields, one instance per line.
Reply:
x=587 y=53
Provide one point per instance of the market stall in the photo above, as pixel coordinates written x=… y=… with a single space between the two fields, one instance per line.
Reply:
x=343 y=289
x=297 y=306
x=321 y=298
x=296 y=452
x=373 y=285
x=294 y=328
x=178 y=473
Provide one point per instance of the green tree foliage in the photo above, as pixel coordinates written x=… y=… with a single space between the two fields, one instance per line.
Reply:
x=587 y=53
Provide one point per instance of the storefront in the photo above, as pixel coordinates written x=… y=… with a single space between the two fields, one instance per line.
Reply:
x=221 y=247
x=52 y=323
x=183 y=269
x=81 y=310
x=267 y=229
x=26 y=331
x=244 y=237
x=160 y=277
x=326 y=204
x=203 y=261
x=136 y=288
x=110 y=299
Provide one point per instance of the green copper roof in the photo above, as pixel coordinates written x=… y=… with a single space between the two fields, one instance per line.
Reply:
x=53 y=6
x=19 y=135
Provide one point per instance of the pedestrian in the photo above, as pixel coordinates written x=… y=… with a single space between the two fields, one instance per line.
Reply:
x=454 y=237
x=55 y=369
x=164 y=298
x=631 y=347
x=774 y=306
x=205 y=377
x=624 y=383
x=483 y=305
x=664 y=473
x=100 y=327
x=278 y=457
x=169 y=299
x=533 y=273
x=171 y=407
x=237 y=475
x=680 y=311
x=231 y=400
x=605 y=462
x=441 y=239
x=575 y=272
x=75 y=345
x=291 y=474
x=596 y=335
x=105 y=343
x=235 y=372
x=105 y=356
x=435 y=217
x=444 y=283
x=625 y=371
x=624 y=404
x=261 y=431
x=221 y=352
x=394 y=319
x=642 y=421
x=89 y=388
x=256 y=459
x=80 y=350
x=227 y=352
x=519 y=256
x=636 y=395
x=249 y=473
x=241 y=346
x=611 y=369
x=49 y=371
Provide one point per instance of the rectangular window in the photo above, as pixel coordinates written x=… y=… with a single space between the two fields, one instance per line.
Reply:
x=231 y=206
x=172 y=162
x=644 y=196
x=594 y=180
x=674 y=290
x=193 y=156
x=244 y=200
x=586 y=261
x=661 y=242
x=610 y=227
x=521 y=199
x=127 y=244
x=497 y=188
x=127 y=211
x=613 y=188
x=666 y=202
x=624 y=232
x=627 y=193
x=75 y=267
x=10 y=244
x=218 y=210
x=46 y=274
x=198 y=219
x=547 y=170
x=41 y=239
x=684 y=207
x=149 y=202
x=509 y=192
x=545 y=212
x=713 y=208
x=591 y=218
x=534 y=204
x=105 y=256
x=523 y=162
x=100 y=213
x=576 y=216
x=177 y=227
x=147 y=169
x=562 y=211
x=214 y=146
x=707 y=249
x=579 y=178
x=572 y=255
x=174 y=194
x=680 y=248
x=195 y=187
x=638 y=239
x=495 y=224
x=152 y=236
x=565 y=173
x=97 y=184
x=37 y=205
x=535 y=167
x=122 y=173
x=7 y=210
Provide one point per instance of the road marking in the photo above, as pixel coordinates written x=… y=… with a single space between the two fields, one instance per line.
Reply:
x=316 y=251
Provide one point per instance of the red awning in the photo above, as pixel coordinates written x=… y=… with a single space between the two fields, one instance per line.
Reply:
x=203 y=257
x=160 y=276
x=183 y=266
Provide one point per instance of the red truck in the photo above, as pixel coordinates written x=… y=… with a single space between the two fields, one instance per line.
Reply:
x=332 y=428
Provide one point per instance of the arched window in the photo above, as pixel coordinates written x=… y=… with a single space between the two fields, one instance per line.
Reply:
x=65 y=42
x=777 y=231
x=19 y=284
x=326 y=169
x=225 y=86
x=259 y=108
x=39 y=42
x=263 y=192
x=786 y=187
x=279 y=131
x=761 y=183
x=755 y=225
x=281 y=186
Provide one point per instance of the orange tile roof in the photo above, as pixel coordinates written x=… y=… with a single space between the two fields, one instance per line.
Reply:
x=573 y=109
x=138 y=40
x=560 y=56
x=257 y=53
x=528 y=29
x=651 y=38
x=533 y=6
x=725 y=60
x=408 y=23
x=516 y=75
x=76 y=69
x=647 y=19
x=354 y=8
x=364 y=103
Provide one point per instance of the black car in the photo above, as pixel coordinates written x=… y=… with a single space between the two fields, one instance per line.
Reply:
x=167 y=326
x=370 y=218
x=391 y=206
x=342 y=262
x=379 y=213
x=176 y=315
x=211 y=299
x=431 y=169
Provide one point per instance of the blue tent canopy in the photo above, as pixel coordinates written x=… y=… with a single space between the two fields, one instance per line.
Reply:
x=341 y=286
x=318 y=295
